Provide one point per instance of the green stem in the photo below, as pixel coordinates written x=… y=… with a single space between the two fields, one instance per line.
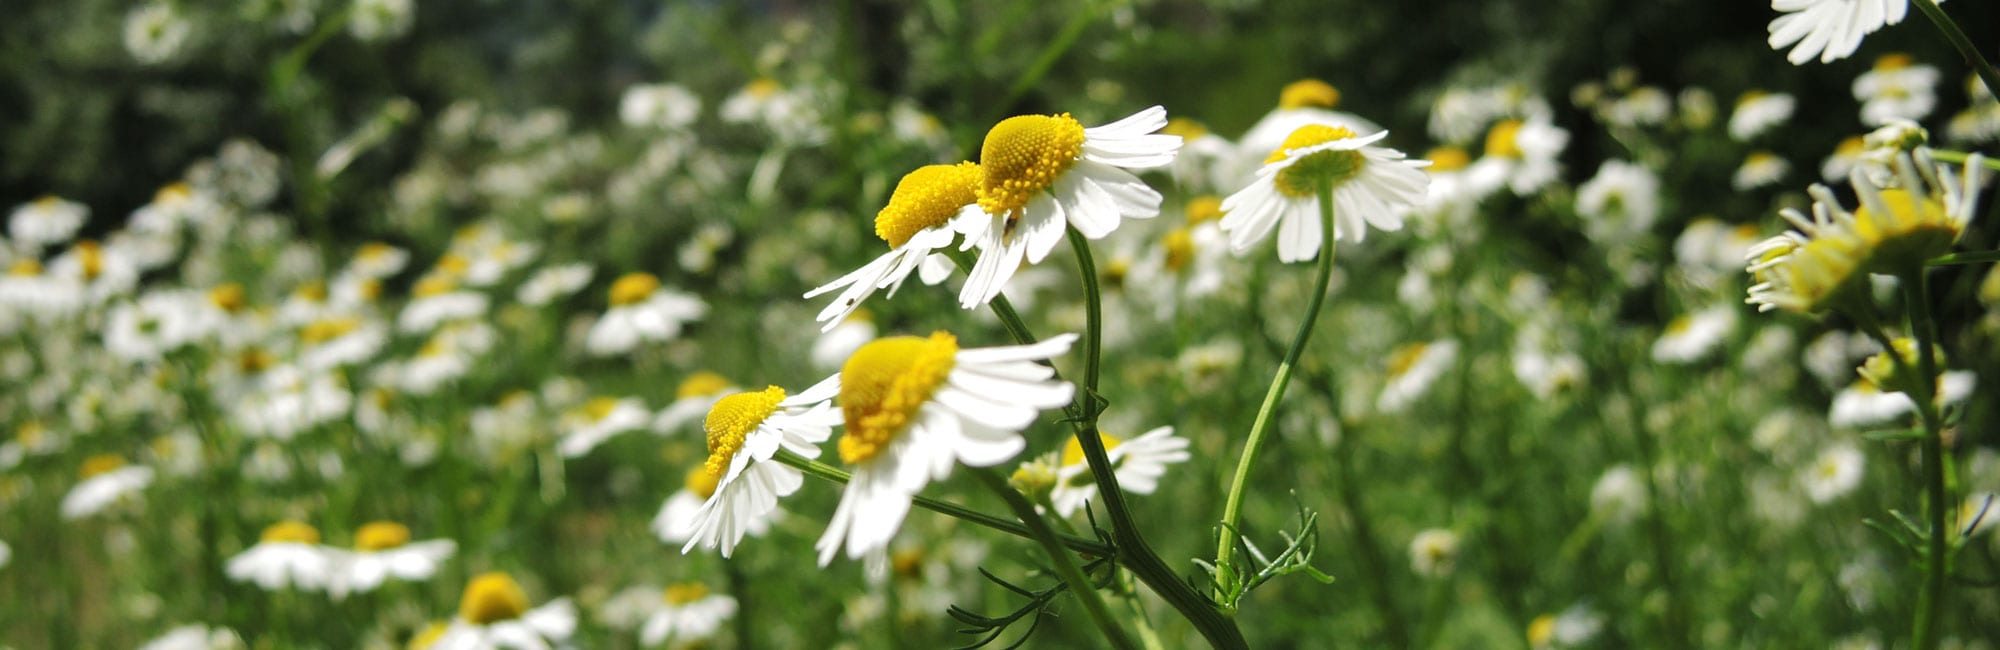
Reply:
x=1959 y=158
x=1975 y=257
x=834 y=474
x=1065 y=566
x=1930 y=602
x=1133 y=551
x=1964 y=45
x=1232 y=508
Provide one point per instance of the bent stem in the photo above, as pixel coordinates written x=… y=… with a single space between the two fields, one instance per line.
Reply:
x=1964 y=45
x=1930 y=602
x=1232 y=508
x=1065 y=566
x=833 y=474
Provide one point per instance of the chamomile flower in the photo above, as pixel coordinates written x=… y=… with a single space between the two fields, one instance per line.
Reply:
x=291 y=400
x=1758 y=111
x=1896 y=88
x=915 y=405
x=286 y=555
x=437 y=299
x=1138 y=463
x=1620 y=203
x=686 y=613
x=1370 y=186
x=1619 y=496
x=928 y=207
x=1302 y=102
x=1828 y=258
x=330 y=343
x=553 y=283
x=1413 y=367
x=1521 y=154
x=744 y=431
x=106 y=481
x=196 y=637
x=659 y=106
x=1829 y=29
x=642 y=311
x=46 y=221
x=382 y=19
x=693 y=398
x=1205 y=159
x=599 y=419
x=383 y=550
x=1846 y=155
x=377 y=260
x=160 y=322
x=1864 y=405
x=155 y=32
x=493 y=613
x=1759 y=169
x=1042 y=172
x=1836 y=472
x=1692 y=337
x=1434 y=552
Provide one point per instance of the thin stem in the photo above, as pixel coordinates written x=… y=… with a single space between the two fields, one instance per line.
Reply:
x=1974 y=257
x=1133 y=551
x=1065 y=566
x=1958 y=40
x=1930 y=602
x=1232 y=508
x=1959 y=158
x=827 y=472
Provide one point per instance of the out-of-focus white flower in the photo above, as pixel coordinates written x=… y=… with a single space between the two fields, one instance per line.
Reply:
x=1521 y=154
x=642 y=311
x=1413 y=367
x=155 y=32
x=598 y=420
x=1618 y=497
x=493 y=614
x=686 y=614
x=46 y=221
x=1836 y=472
x=1434 y=552
x=1138 y=463
x=554 y=282
x=662 y=106
x=375 y=20
x=1758 y=111
x=196 y=637
x=291 y=400
x=1863 y=405
x=1302 y=102
x=383 y=550
x=1759 y=169
x=106 y=480
x=834 y=345
x=1896 y=88
x=287 y=555
x=1692 y=337
x=1620 y=203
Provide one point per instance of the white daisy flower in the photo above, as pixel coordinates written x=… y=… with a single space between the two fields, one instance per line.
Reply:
x=913 y=406
x=1835 y=473
x=1207 y=162
x=674 y=524
x=1618 y=497
x=641 y=312
x=588 y=426
x=928 y=207
x=1413 y=367
x=106 y=480
x=1897 y=88
x=686 y=614
x=553 y=283
x=1302 y=102
x=1708 y=249
x=745 y=431
x=287 y=555
x=196 y=637
x=1849 y=153
x=383 y=550
x=155 y=32
x=660 y=106
x=291 y=400
x=1862 y=405
x=160 y=322
x=26 y=289
x=1829 y=29
x=331 y=343
x=790 y=113
x=1138 y=463
x=375 y=20
x=1522 y=155
x=1043 y=172
x=836 y=344
x=377 y=260
x=435 y=300
x=493 y=614
x=1574 y=628
x=1758 y=111
x=103 y=273
x=6 y=554
x=1620 y=203
x=1434 y=552
x=1759 y=169
x=46 y=221
x=1692 y=337
x=449 y=355
x=1371 y=186
x=693 y=398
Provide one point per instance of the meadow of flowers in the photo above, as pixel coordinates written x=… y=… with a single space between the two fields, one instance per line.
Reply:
x=1120 y=323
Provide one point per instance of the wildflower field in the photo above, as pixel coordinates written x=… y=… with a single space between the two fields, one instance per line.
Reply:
x=1151 y=324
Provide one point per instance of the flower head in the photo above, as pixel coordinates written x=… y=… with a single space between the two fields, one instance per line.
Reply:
x=923 y=215
x=1369 y=186
x=745 y=431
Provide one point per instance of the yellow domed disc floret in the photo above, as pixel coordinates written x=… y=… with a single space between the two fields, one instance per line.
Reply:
x=926 y=198
x=1024 y=155
x=290 y=531
x=381 y=536
x=492 y=597
x=633 y=288
x=1502 y=141
x=1448 y=159
x=1912 y=230
x=1073 y=451
x=732 y=419
x=1315 y=170
x=1179 y=245
x=684 y=593
x=1207 y=207
x=1308 y=92
x=884 y=383
x=93 y=466
x=701 y=384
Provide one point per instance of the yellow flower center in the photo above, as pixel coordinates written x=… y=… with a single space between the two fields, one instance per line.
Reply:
x=1318 y=169
x=1760 y=158
x=599 y=408
x=453 y=264
x=492 y=597
x=701 y=384
x=1405 y=357
x=1542 y=631
x=327 y=329
x=1308 y=92
x=173 y=193
x=255 y=360
x=1206 y=207
x=1914 y=229
x=373 y=251
x=927 y=198
x=684 y=593
x=1114 y=273
x=732 y=419
x=428 y=636
x=93 y=466
x=90 y=258
x=1023 y=155
x=908 y=563
x=30 y=435
x=1851 y=147
x=1502 y=140
x=1750 y=96
x=701 y=481
x=291 y=532
x=884 y=383
x=1894 y=61
x=381 y=536
x=633 y=288
x=25 y=268
x=1073 y=451
x=1448 y=159
x=435 y=284
x=228 y=297
x=311 y=292
x=1185 y=128
x=762 y=88
x=1179 y=244
x=1680 y=325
